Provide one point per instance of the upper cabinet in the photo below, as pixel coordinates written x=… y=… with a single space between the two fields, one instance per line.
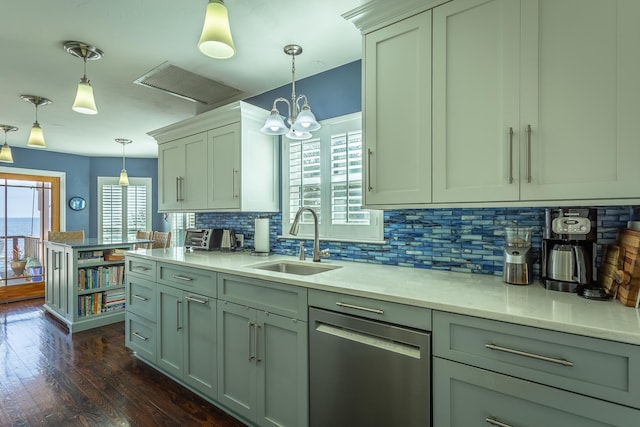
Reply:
x=397 y=119
x=532 y=101
x=218 y=161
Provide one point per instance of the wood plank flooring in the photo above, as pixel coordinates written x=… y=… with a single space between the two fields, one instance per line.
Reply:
x=49 y=377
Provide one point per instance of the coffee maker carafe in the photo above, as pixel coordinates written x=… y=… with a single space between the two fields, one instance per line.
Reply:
x=518 y=260
x=569 y=251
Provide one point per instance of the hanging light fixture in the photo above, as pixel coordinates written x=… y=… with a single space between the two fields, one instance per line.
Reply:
x=84 y=102
x=215 y=40
x=124 y=179
x=36 y=137
x=301 y=120
x=5 y=151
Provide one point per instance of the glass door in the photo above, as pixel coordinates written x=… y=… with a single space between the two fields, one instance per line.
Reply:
x=29 y=208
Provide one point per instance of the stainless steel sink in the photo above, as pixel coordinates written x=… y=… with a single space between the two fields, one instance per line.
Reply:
x=298 y=268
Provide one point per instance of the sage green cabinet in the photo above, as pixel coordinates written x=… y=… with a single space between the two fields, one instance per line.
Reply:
x=262 y=351
x=58 y=264
x=186 y=337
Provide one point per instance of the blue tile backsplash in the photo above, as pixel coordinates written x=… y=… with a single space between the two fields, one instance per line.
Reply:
x=455 y=239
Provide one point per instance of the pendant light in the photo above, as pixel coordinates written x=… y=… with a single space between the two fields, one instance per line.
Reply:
x=215 y=40
x=301 y=120
x=5 y=151
x=85 y=102
x=124 y=179
x=36 y=137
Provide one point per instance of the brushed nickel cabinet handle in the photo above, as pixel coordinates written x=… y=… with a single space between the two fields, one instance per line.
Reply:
x=510 y=155
x=199 y=301
x=180 y=277
x=177 y=188
x=529 y=131
x=369 y=154
x=178 y=327
x=357 y=307
x=143 y=338
x=140 y=267
x=250 y=325
x=141 y=298
x=233 y=184
x=495 y=422
x=562 y=362
x=256 y=340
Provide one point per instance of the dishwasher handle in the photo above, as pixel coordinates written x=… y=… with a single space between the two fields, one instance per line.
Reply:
x=358 y=307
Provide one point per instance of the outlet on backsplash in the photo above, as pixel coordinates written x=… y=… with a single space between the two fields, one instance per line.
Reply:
x=240 y=240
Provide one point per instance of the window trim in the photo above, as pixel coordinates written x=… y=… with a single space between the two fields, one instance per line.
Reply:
x=329 y=232
x=139 y=181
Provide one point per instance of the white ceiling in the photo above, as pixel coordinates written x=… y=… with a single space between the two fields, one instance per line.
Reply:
x=137 y=36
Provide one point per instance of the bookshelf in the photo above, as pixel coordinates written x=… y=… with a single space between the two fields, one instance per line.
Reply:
x=84 y=282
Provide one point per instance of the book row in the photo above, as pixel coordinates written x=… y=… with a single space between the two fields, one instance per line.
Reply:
x=100 y=277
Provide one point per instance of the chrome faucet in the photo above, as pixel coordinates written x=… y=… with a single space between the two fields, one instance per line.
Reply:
x=316 y=239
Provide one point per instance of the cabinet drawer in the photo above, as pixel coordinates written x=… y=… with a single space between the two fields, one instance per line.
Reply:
x=604 y=369
x=140 y=267
x=287 y=300
x=467 y=396
x=390 y=312
x=188 y=279
x=141 y=297
x=140 y=336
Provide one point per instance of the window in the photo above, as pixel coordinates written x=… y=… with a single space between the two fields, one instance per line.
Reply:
x=325 y=173
x=179 y=223
x=123 y=210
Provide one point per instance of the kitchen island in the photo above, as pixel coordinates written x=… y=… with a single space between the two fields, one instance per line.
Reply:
x=550 y=354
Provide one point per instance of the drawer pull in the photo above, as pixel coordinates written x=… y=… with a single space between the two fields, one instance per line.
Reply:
x=140 y=267
x=495 y=422
x=143 y=338
x=185 y=278
x=357 y=307
x=199 y=301
x=141 y=298
x=532 y=355
x=250 y=325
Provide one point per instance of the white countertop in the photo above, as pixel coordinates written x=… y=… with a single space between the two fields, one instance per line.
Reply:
x=471 y=294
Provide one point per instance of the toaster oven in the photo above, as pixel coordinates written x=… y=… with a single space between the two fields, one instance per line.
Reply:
x=199 y=238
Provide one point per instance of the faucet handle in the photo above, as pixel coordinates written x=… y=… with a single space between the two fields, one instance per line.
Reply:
x=302 y=252
x=324 y=253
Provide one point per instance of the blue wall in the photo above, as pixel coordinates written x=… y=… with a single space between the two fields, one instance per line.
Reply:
x=81 y=180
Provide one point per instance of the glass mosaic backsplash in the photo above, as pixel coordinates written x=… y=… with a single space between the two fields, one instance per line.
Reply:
x=466 y=240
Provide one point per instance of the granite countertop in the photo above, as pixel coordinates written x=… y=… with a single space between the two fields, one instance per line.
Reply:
x=470 y=294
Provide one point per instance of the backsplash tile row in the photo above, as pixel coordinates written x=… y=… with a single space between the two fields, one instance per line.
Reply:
x=456 y=239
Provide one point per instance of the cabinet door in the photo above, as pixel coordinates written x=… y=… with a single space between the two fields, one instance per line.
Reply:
x=200 y=343
x=476 y=101
x=236 y=358
x=170 y=330
x=397 y=113
x=282 y=371
x=194 y=185
x=467 y=396
x=581 y=97
x=171 y=168
x=224 y=167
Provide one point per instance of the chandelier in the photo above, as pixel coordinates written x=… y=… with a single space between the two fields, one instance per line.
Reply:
x=301 y=120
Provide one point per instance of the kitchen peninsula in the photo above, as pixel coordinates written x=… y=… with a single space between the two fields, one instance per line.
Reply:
x=553 y=353
x=84 y=281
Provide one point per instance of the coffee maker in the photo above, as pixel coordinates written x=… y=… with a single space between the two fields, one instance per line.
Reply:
x=569 y=251
x=518 y=260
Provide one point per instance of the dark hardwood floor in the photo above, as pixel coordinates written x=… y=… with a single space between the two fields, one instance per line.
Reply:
x=49 y=377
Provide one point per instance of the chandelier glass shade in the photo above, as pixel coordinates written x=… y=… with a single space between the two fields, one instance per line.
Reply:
x=215 y=40
x=301 y=119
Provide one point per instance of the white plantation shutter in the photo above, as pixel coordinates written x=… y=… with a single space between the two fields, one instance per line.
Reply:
x=123 y=210
x=325 y=173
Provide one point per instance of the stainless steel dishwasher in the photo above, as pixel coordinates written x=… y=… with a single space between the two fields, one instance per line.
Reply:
x=367 y=373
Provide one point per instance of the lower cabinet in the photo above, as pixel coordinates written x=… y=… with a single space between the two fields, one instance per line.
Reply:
x=466 y=396
x=186 y=338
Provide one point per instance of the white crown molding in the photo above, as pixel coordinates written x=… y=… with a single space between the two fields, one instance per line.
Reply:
x=380 y=13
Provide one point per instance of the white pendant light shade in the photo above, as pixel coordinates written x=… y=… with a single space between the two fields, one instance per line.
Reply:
x=216 y=40
x=5 y=154
x=85 y=102
x=124 y=179
x=5 y=151
x=298 y=135
x=36 y=137
x=274 y=125
x=306 y=120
